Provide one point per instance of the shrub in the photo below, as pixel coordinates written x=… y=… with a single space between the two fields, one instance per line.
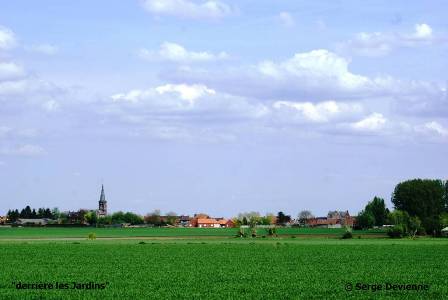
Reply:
x=92 y=236
x=272 y=231
x=254 y=233
x=396 y=231
x=241 y=233
x=347 y=235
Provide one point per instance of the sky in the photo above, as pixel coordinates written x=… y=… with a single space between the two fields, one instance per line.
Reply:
x=220 y=106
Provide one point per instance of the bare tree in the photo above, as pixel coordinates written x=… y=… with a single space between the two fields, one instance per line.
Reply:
x=305 y=215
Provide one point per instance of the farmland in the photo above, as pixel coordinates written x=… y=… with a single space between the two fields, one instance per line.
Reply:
x=262 y=268
x=54 y=233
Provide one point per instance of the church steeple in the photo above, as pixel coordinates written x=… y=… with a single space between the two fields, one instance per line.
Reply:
x=102 y=204
x=103 y=196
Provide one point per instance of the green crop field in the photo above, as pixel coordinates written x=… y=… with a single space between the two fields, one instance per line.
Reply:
x=262 y=268
x=38 y=232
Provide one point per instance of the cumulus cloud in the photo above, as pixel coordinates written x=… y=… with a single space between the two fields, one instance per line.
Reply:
x=374 y=122
x=286 y=19
x=7 y=39
x=314 y=69
x=382 y=43
x=176 y=53
x=316 y=75
x=211 y=9
x=437 y=128
x=322 y=112
x=196 y=101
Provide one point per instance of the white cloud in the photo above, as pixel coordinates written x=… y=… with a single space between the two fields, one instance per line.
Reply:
x=7 y=39
x=177 y=53
x=167 y=99
x=176 y=96
x=286 y=19
x=46 y=49
x=374 y=122
x=382 y=43
x=10 y=71
x=211 y=9
x=437 y=128
x=423 y=31
x=316 y=69
x=313 y=76
x=322 y=112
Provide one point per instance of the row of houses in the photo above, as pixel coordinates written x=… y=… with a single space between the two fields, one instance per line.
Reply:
x=334 y=219
x=201 y=221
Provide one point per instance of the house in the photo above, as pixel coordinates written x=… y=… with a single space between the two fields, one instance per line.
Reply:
x=334 y=219
x=184 y=221
x=3 y=220
x=226 y=223
x=208 y=223
x=32 y=221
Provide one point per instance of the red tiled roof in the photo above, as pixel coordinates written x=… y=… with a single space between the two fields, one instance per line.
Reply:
x=207 y=221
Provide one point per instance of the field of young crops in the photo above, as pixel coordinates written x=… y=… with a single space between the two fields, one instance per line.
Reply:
x=223 y=269
x=43 y=232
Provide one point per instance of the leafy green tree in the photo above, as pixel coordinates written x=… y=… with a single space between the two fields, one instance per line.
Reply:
x=118 y=217
x=91 y=217
x=424 y=198
x=55 y=213
x=444 y=219
x=378 y=209
x=365 y=219
x=132 y=218
x=414 y=226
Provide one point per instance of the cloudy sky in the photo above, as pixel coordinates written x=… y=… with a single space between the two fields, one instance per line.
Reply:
x=220 y=106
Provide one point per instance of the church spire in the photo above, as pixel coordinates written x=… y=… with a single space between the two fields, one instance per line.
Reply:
x=102 y=204
x=103 y=196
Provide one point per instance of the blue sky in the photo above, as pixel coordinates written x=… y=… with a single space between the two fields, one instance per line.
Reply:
x=220 y=106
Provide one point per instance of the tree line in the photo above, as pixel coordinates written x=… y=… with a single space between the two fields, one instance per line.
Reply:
x=420 y=207
x=28 y=213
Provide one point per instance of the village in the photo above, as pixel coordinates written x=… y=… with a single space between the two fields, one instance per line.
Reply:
x=100 y=217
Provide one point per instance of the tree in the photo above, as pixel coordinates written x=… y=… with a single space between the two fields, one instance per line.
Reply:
x=91 y=217
x=282 y=218
x=13 y=215
x=26 y=212
x=444 y=219
x=153 y=218
x=55 y=213
x=304 y=216
x=414 y=225
x=403 y=224
x=378 y=209
x=171 y=218
x=424 y=198
x=365 y=219
x=132 y=218
x=252 y=218
x=118 y=217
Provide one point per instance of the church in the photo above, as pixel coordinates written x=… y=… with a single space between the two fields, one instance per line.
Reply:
x=102 y=204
